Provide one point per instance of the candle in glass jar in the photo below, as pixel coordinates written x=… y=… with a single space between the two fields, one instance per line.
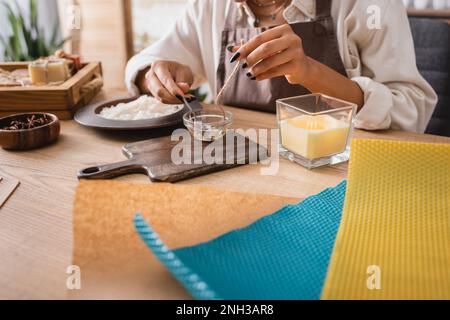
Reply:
x=314 y=137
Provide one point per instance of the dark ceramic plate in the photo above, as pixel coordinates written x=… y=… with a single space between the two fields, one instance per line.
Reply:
x=89 y=116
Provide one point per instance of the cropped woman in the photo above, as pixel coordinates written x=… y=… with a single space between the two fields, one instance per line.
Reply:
x=356 y=50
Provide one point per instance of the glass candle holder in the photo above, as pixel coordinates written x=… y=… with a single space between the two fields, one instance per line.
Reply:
x=315 y=130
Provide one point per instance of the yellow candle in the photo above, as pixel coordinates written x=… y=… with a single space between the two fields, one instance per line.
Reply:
x=314 y=137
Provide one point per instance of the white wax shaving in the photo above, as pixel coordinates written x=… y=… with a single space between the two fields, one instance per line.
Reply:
x=144 y=108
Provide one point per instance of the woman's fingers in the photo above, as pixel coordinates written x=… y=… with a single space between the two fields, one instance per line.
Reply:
x=273 y=53
x=184 y=78
x=278 y=71
x=158 y=90
x=164 y=75
x=184 y=86
x=168 y=79
x=258 y=40
x=267 y=50
x=233 y=48
x=272 y=62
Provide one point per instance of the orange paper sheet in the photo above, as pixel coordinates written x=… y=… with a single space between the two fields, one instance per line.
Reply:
x=116 y=264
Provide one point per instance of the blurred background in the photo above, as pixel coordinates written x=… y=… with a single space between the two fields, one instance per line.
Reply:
x=111 y=31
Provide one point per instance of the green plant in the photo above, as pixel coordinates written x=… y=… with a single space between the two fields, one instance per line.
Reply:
x=27 y=41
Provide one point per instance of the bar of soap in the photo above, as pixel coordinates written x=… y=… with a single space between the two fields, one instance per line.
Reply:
x=44 y=72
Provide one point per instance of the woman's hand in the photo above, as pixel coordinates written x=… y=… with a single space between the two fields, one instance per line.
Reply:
x=165 y=80
x=275 y=53
x=279 y=52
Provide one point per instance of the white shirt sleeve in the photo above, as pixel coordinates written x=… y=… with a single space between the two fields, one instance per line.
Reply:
x=383 y=62
x=181 y=44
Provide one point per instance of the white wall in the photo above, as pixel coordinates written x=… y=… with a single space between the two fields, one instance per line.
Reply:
x=47 y=16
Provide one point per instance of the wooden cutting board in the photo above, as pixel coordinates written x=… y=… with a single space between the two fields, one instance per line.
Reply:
x=154 y=158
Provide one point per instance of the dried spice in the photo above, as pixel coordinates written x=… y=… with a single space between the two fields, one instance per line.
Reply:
x=28 y=122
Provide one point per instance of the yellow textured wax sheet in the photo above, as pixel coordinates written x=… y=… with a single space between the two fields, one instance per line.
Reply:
x=394 y=239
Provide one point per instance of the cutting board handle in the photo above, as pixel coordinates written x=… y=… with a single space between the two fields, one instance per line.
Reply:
x=111 y=171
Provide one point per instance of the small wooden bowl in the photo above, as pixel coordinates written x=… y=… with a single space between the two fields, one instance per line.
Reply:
x=29 y=138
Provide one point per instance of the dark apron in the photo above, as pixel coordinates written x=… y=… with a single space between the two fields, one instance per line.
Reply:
x=319 y=42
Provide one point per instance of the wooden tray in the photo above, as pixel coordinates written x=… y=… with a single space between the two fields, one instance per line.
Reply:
x=65 y=99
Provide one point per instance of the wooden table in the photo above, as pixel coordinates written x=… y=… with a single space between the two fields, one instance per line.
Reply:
x=36 y=222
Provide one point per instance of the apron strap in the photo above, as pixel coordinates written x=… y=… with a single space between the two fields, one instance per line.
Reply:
x=232 y=16
x=323 y=9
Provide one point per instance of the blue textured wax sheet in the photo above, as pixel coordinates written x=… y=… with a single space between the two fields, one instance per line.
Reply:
x=283 y=256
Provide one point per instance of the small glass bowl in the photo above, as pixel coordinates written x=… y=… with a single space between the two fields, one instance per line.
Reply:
x=207 y=125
